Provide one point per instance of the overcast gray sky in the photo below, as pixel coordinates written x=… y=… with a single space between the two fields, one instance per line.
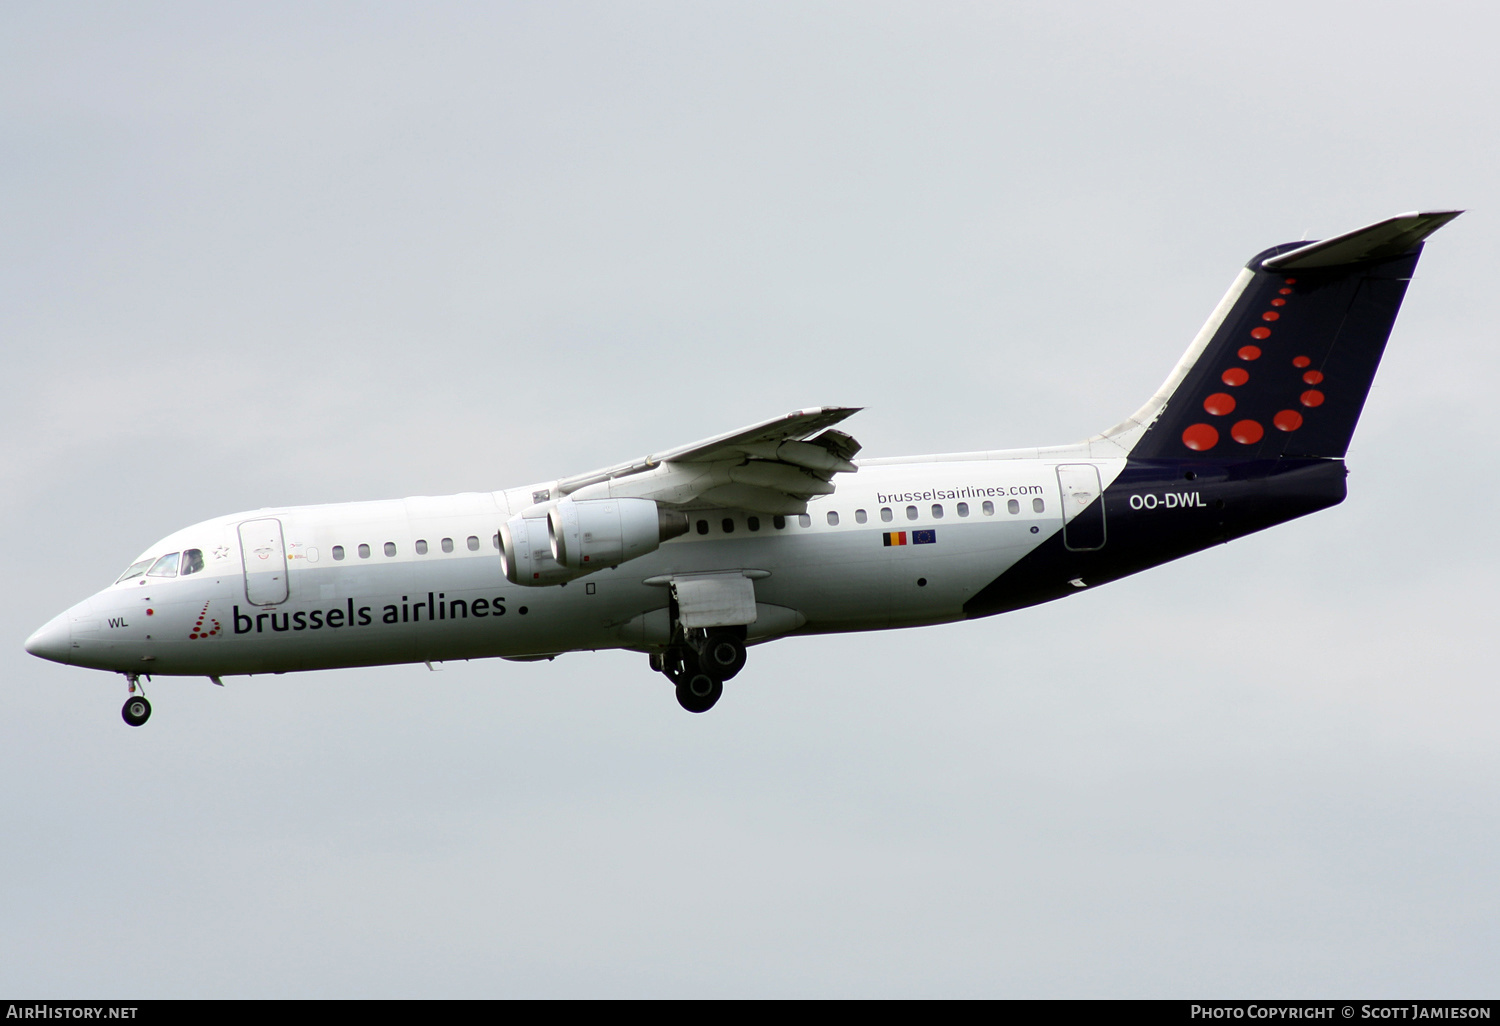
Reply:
x=294 y=254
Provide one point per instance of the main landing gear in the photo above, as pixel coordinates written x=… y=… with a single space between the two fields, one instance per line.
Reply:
x=137 y=710
x=699 y=662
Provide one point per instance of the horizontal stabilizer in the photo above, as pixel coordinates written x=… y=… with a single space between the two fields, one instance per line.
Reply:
x=1379 y=241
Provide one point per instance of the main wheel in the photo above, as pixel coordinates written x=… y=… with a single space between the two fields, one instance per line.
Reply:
x=698 y=692
x=723 y=655
x=136 y=711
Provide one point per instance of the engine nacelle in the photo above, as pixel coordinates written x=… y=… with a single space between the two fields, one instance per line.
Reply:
x=591 y=534
x=526 y=554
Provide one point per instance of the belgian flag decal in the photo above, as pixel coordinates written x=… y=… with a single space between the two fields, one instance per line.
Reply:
x=917 y=538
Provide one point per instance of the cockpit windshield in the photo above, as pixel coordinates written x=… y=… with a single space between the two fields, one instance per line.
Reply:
x=166 y=566
x=135 y=570
x=173 y=564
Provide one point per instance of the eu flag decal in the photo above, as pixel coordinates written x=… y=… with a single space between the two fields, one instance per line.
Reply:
x=894 y=538
x=924 y=537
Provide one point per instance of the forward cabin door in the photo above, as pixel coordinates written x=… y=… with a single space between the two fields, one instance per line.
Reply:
x=1082 y=506
x=265 y=562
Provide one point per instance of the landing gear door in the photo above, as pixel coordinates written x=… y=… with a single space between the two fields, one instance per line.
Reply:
x=265 y=562
x=714 y=600
x=1082 y=505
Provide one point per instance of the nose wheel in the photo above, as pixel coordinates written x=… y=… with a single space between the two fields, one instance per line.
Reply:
x=136 y=710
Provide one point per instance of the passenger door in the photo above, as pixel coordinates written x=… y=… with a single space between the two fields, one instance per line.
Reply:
x=265 y=562
x=1082 y=507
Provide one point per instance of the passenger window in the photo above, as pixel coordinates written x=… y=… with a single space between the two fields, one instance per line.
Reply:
x=390 y=548
x=310 y=554
x=703 y=527
x=1013 y=506
x=421 y=546
x=937 y=511
x=911 y=512
x=473 y=543
x=495 y=540
x=166 y=566
x=779 y=522
x=804 y=519
x=728 y=525
x=192 y=561
x=338 y=552
x=447 y=544
x=860 y=516
x=753 y=523
x=833 y=519
x=364 y=551
x=963 y=509
x=989 y=508
x=886 y=515
x=1038 y=505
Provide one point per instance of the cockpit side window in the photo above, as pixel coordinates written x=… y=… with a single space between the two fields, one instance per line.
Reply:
x=135 y=570
x=166 y=566
x=192 y=562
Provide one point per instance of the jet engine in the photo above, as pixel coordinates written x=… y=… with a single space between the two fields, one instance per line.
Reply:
x=526 y=554
x=591 y=534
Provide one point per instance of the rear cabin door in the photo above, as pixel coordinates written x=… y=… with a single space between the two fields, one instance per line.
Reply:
x=1083 y=506
x=265 y=562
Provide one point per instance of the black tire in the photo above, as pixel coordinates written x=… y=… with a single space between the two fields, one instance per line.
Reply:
x=136 y=710
x=723 y=655
x=677 y=662
x=698 y=692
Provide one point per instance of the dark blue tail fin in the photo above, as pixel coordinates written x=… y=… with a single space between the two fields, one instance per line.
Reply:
x=1286 y=369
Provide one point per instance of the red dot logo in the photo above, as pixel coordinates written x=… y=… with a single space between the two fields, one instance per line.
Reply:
x=1200 y=437
x=1247 y=432
x=1300 y=361
x=1291 y=281
x=1313 y=377
x=1312 y=397
x=1260 y=333
x=1249 y=352
x=1278 y=302
x=198 y=631
x=1234 y=377
x=1287 y=420
x=1270 y=315
x=1285 y=292
x=1220 y=404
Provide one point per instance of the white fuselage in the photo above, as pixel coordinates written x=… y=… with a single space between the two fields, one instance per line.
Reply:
x=385 y=600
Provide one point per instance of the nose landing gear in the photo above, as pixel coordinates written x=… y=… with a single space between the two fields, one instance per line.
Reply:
x=136 y=710
x=699 y=663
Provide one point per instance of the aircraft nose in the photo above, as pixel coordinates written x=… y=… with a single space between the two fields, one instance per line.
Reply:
x=53 y=641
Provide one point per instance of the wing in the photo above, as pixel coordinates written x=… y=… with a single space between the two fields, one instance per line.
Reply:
x=771 y=467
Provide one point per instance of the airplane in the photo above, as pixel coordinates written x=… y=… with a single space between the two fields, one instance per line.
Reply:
x=693 y=554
